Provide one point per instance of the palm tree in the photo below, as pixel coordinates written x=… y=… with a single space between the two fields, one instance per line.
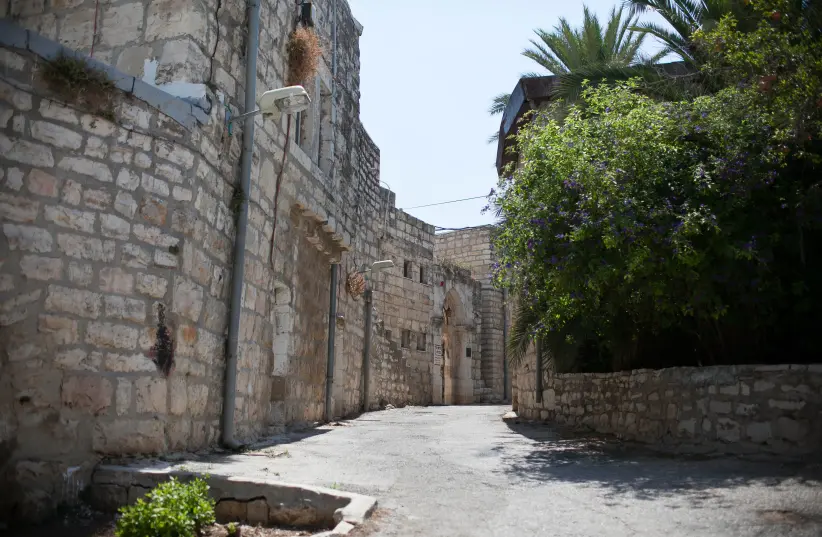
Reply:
x=684 y=18
x=566 y=49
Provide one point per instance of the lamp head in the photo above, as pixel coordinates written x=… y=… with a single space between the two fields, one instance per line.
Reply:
x=290 y=100
x=382 y=265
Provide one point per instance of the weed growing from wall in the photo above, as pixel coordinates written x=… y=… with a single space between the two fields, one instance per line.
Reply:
x=78 y=83
x=162 y=353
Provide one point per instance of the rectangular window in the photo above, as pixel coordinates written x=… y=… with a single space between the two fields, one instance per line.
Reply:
x=422 y=275
x=406 y=339
x=468 y=352
x=421 y=337
x=406 y=269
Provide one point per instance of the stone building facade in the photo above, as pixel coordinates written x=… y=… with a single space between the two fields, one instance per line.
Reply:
x=116 y=250
x=471 y=249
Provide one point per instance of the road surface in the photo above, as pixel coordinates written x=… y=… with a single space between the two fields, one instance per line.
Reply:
x=462 y=471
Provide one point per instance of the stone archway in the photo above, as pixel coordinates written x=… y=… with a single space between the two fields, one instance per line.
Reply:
x=457 y=384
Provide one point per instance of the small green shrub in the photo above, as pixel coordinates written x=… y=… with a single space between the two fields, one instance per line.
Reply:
x=233 y=529
x=171 y=509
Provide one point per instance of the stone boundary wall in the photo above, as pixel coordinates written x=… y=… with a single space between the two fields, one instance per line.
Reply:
x=774 y=409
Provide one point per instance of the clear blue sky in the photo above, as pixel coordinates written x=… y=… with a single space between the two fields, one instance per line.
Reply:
x=429 y=71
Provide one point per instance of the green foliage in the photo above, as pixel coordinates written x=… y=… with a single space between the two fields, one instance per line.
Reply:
x=233 y=529
x=646 y=233
x=566 y=50
x=171 y=509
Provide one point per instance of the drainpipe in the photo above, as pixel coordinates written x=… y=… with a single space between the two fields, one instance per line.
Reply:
x=366 y=353
x=332 y=329
x=334 y=92
x=506 y=392
x=238 y=269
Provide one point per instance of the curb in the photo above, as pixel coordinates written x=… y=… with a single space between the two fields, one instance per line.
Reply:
x=252 y=500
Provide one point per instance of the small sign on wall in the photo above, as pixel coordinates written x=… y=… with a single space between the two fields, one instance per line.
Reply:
x=437 y=354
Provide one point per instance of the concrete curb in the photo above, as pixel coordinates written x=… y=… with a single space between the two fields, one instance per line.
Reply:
x=252 y=500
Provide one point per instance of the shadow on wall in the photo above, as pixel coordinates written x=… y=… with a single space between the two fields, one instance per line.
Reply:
x=627 y=473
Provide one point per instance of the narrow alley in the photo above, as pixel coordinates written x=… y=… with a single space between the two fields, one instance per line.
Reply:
x=463 y=471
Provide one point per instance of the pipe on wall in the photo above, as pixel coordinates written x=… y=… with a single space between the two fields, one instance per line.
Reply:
x=238 y=269
x=366 y=353
x=332 y=331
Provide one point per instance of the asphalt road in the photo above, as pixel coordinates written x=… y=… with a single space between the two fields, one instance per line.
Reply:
x=462 y=471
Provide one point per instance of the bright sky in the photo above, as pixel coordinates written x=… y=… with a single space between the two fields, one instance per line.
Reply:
x=429 y=71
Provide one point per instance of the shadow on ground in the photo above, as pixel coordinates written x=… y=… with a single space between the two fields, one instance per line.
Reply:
x=634 y=472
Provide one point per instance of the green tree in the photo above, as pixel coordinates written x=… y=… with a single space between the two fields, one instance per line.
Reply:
x=648 y=233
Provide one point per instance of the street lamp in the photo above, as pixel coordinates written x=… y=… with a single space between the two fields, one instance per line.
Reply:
x=278 y=102
x=377 y=266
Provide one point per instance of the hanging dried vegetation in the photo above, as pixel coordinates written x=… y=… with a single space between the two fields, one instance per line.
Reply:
x=355 y=284
x=304 y=53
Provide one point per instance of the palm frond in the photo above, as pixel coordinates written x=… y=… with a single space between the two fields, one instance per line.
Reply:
x=521 y=335
x=498 y=103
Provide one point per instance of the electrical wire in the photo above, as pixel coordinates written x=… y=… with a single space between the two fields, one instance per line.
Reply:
x=443 y=203
x=94 y=31
x=286 y=147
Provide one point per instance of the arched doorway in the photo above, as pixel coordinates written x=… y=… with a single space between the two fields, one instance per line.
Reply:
x=457 y=385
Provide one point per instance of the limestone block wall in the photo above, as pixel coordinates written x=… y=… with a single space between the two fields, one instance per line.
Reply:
x=404 y=308
x=736 y=409
x=457 y=327
x=471 y=249
x=171 y=43
x=104 y=224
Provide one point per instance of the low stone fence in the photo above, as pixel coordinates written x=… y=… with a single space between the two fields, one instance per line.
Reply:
x=738 y=409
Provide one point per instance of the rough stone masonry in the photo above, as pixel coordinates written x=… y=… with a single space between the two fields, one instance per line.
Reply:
x=117 y=239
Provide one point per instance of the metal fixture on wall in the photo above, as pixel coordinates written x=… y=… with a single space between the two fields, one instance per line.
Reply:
x=307 y=13
x=230 y=384
x=272 y=103
x=332 y=331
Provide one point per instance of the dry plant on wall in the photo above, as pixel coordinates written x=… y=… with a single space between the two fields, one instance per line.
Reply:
x=355 y=284
x=78 y=83
x=304 y=53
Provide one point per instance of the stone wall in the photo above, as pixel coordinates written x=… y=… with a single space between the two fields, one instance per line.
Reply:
x=735 y=409
x=104 y=225
x=471 y=249
x=458 y=331
x=403 y=303
x=107 y=223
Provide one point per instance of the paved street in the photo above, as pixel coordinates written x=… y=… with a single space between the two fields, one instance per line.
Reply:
x=462 y=471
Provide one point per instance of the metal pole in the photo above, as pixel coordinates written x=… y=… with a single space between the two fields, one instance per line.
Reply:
x=366 y=353
x=506 y=375
x=332 y=329
x=539 y=370
x=237 y=271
